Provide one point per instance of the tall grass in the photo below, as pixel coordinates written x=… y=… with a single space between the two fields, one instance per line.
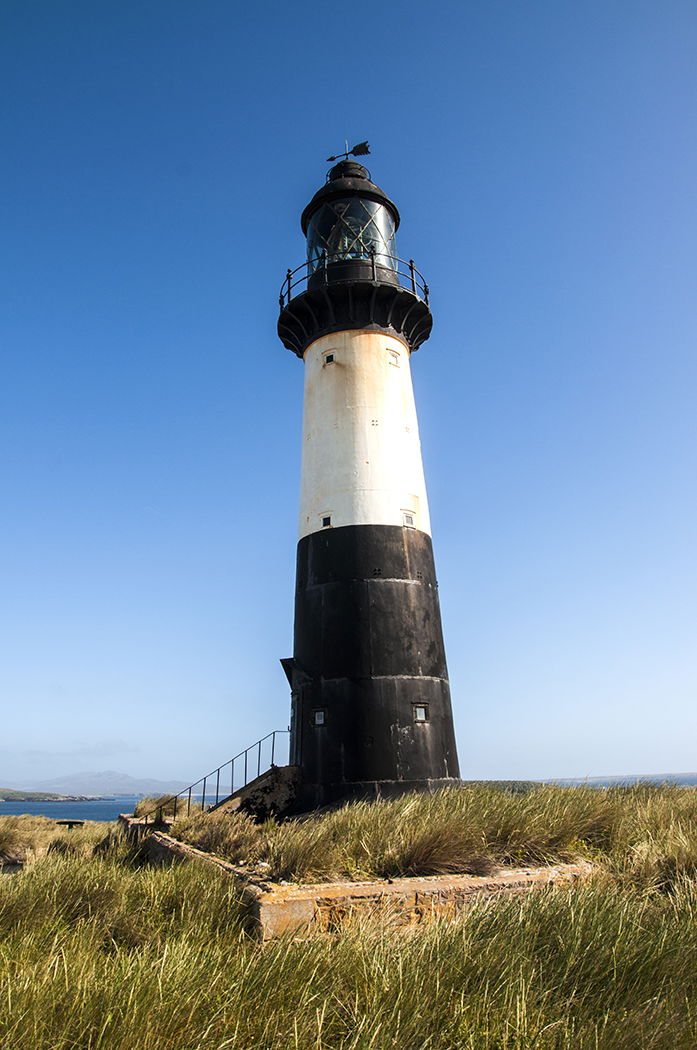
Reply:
x=97 y=955
x=642 y=833
x=24 y=837
x=165 y=805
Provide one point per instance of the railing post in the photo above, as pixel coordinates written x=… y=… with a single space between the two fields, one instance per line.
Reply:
x=259 y=758
x=245 y=767
x=273 y=745
x=188 y=808
x=232 y=776
x=217 y=785
x=372 y=262
x=289 y=276
x=203 y=797
x=413 y=278
x=426 y=291
x=324 y=265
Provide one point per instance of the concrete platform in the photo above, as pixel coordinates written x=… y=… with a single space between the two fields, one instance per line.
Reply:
x=275 y=909
x=408 y=901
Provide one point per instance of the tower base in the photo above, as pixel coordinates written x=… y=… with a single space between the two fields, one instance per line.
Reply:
x=313 y=796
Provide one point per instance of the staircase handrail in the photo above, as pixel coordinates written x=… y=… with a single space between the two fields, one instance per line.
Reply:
x=216 y=773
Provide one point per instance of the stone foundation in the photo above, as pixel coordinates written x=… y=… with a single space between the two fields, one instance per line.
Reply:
x=275 y=909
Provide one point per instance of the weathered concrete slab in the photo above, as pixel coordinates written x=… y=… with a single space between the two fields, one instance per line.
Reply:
x=325 y=906
x=280 y=908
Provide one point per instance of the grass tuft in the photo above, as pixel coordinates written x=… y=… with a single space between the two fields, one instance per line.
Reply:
x=23 y=838
x=232 y=836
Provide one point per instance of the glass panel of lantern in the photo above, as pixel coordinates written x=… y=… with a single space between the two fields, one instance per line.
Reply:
x=349 y=229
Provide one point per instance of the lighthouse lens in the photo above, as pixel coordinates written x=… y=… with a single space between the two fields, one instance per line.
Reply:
x=354 y=228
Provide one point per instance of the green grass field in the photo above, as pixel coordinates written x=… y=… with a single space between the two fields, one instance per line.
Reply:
x=642 y=832
x=100 y=952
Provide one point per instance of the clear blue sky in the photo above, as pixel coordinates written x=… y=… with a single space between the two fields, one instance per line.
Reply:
x=156 y=158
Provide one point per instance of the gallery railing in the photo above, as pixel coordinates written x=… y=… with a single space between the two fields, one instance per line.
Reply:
x=406 y=273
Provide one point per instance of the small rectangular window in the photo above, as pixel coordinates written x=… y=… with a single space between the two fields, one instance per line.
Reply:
x=408 y=518
x=328 y=358
x=326 y=521
x=319 y=717
x=420 y=712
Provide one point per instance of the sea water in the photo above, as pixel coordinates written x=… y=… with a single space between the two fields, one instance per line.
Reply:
x=97 y=809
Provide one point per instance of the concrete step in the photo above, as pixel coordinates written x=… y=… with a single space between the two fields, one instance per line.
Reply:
x=268 y=795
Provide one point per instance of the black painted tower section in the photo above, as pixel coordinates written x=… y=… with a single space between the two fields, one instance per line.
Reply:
x=369 y=651
x=371 y=712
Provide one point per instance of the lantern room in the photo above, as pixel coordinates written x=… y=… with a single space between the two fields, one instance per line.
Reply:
x=352 y=277
x=349 y=219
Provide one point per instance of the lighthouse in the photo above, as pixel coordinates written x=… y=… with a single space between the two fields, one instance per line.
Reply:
x=370 y=699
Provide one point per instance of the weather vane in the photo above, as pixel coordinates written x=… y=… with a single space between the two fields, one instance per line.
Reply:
x=359 y=150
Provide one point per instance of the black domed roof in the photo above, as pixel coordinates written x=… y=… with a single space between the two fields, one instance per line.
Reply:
x=348 y=178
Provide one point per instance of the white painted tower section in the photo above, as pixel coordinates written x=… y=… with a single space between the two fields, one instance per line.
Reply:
x=361 y=456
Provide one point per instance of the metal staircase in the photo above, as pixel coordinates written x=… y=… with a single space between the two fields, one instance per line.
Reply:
x=243 y=769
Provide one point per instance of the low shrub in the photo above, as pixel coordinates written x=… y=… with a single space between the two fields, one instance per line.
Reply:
x=23 y=837
x=12 y=847
x=232 y=836
x=154 y=805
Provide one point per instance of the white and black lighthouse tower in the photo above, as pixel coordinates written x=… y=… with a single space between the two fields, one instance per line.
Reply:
x=371 y=713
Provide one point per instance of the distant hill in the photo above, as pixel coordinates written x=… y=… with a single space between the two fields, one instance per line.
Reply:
x=685 y=779
x=9 y=795
x=108 y=782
